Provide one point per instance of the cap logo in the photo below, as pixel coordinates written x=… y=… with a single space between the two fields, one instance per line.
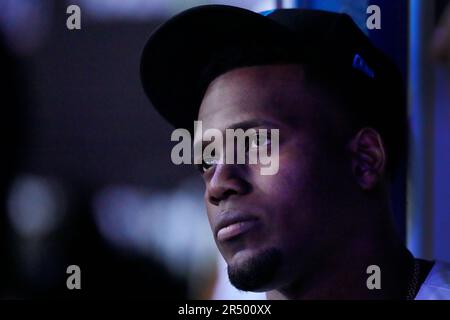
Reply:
x=267 y=12
x=360 y=64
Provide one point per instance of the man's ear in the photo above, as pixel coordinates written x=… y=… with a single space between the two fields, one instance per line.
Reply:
x=368 y=158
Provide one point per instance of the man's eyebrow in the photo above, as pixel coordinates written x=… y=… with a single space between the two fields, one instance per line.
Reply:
x=252 y=124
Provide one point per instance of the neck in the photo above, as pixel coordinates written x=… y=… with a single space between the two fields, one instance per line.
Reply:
x=344 y=274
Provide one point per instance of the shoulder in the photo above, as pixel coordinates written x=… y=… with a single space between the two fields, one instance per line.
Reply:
x=437 y=284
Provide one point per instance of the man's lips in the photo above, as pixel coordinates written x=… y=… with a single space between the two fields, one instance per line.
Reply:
x=233 y=224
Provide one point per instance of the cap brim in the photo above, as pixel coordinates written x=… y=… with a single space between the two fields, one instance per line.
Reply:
x=177 y=53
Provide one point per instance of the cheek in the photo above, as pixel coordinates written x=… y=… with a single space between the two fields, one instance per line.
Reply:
x=293 y=178
x=293 y=197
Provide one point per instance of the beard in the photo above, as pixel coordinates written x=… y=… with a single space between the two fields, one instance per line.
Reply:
x=256 y=273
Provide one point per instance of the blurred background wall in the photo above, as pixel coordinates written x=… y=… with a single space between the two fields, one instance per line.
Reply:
x=428 y=220
x=88 y=178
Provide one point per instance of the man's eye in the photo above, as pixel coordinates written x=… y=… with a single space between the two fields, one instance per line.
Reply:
x=206 y=164
x=259 y=140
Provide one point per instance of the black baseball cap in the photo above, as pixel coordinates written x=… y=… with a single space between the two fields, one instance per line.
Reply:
x=184 y=54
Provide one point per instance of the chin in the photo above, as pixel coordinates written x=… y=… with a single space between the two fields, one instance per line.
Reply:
x=254 y=271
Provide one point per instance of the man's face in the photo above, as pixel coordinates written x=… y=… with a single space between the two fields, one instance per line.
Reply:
x=293 y=218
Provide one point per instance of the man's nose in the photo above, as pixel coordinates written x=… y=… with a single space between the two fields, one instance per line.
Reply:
x=227 y=180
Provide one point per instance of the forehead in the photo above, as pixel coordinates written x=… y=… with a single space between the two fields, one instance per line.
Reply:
x=275 y=93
